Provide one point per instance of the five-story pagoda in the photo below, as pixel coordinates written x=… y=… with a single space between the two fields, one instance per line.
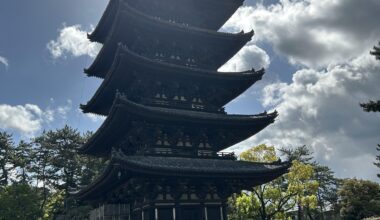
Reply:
x=166 y=125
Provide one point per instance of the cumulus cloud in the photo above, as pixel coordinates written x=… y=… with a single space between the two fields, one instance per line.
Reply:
x=26 y=119
x=249 y=57
x=320 y=109
x=4 y=61
x=72 y=41
x=29 y=118
x=312 y=32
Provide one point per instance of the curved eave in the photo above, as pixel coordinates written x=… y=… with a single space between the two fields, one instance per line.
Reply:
x=119 y=76
x=201 y=168
x=103 y=61
x=108 y=17
x=128 y=12
x=121 y=111
x=107 y=180
x=100 y=32
x=123 y=167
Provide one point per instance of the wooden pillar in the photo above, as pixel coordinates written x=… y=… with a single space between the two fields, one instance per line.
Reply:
x=223 y=210
x=204 y=210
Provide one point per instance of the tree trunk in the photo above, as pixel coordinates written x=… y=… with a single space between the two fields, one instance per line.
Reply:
x=299 y=212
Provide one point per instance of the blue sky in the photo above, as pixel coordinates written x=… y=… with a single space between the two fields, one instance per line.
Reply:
x=33 y=76
x=316 y=54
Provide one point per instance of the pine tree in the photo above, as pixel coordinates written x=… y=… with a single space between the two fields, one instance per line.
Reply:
x=376 y=52
x=377 y=163
x=6 y=154
x=21 y=161
x=373 y=106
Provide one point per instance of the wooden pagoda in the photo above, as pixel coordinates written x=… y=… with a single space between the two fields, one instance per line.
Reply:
x=166 y=125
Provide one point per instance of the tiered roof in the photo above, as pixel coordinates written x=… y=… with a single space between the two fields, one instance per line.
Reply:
x=192 y=12
x=152 y=37
x=167 y=118
x=124 y=167
x=130 y=68
x=124 y=113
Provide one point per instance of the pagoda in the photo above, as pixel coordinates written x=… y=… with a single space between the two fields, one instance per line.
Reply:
x=166 y=127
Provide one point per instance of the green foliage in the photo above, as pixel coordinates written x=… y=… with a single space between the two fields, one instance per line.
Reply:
x=22 y=160
x=244 y=206
x=327 y=192
x=49 y=165
x=275 y=199
x=61 y=165
x=54 y=204
x=359 y=199
x=6 y=152
x=60 y=168
x=19 y=202
x=377 y=163
x=261 y=153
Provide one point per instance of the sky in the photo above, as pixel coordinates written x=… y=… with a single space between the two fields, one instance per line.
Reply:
x=316 y=55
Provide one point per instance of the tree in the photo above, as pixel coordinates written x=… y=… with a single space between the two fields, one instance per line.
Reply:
x=302 y=154
x=327 y=193
x=19 y=202
x=6 y=152
x=376 y=52
x=22 y=160
x=59 y=168
x=275 y=199
x=51 y=167
x=64 y=161
x=359 y=199
x=377 y=163
x=373 y=106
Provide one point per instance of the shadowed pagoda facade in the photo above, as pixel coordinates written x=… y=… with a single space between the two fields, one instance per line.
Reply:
x=164 y=101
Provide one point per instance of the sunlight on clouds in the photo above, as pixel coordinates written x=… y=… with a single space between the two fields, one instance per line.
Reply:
x=320 y=109
x=247 y=58
x=329 y=42
x=29 y=119
x=26 y=119
x=313 y=33
x=72 y=41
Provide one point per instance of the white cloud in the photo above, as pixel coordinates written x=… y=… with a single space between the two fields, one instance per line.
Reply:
x=321 y=109
x=63 y=110
x=4 y=61
x=313 y=32
x=95 y=118
x=249 y=57
x=26 y=119
x=72 y=40
x=29 y=119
